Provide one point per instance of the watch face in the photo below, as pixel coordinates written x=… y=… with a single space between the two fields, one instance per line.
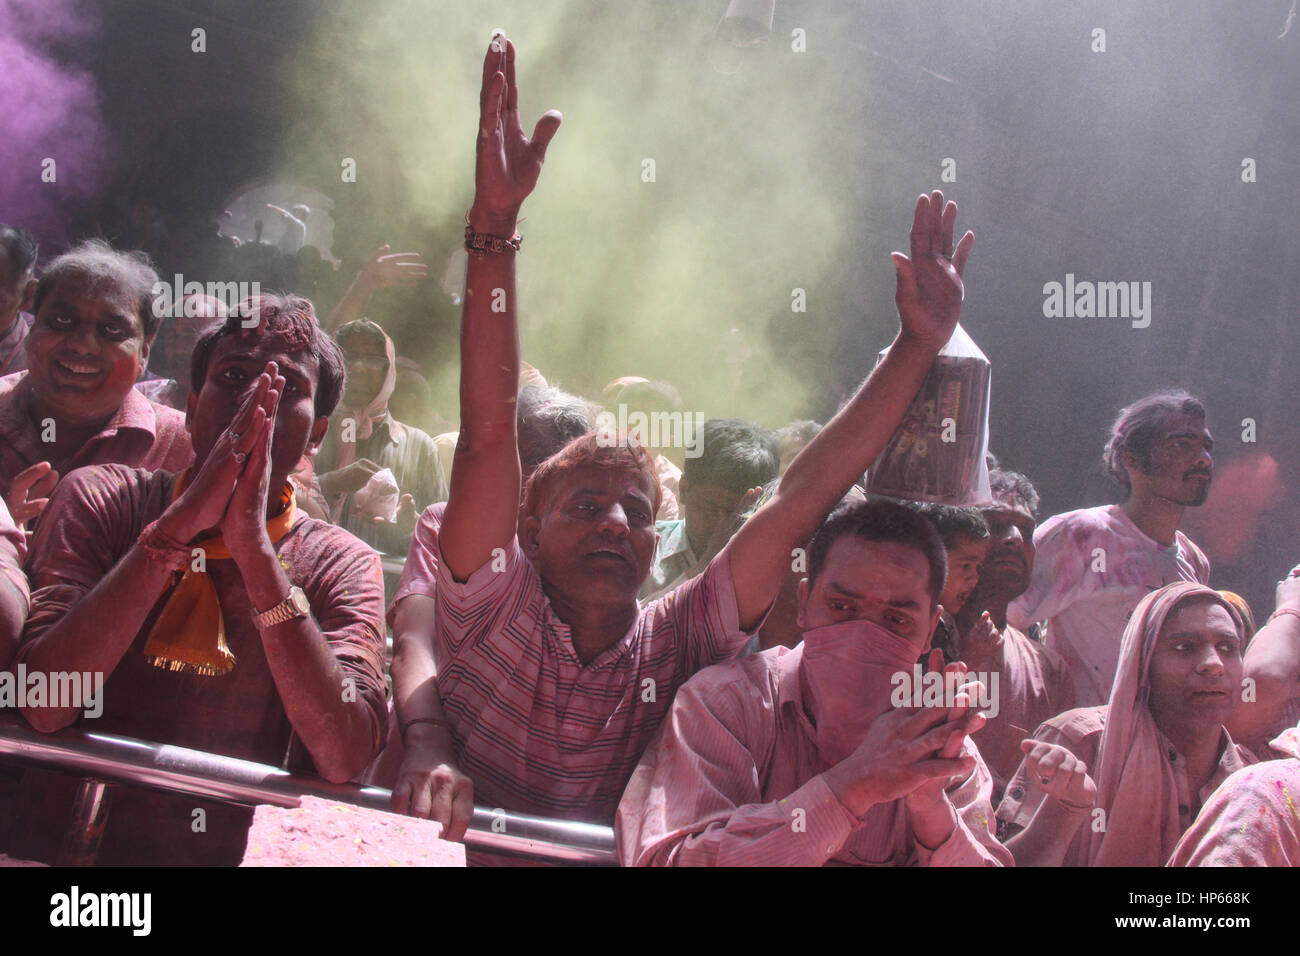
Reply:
x=299 y=600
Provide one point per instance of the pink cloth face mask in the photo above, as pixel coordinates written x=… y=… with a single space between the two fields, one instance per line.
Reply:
x=847 y=675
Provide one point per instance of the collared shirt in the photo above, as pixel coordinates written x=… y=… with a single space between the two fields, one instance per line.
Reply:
x=1091 y=569
x=93 y=519
x=675 y=560
x=735 y=779
x=537 y=730
x=140 y=434
x=1079 y=731
x=413 y=459
x=13 y=345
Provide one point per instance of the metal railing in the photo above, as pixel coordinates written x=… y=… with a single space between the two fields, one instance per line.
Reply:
x=100 y=758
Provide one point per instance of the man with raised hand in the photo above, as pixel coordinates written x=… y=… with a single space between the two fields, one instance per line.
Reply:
x=553 y=679
x=221 y=619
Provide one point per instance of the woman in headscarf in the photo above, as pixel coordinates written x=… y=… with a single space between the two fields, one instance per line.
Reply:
x=1118 y=785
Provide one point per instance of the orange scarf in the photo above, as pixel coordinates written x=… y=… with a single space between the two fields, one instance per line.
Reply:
x=190 y=634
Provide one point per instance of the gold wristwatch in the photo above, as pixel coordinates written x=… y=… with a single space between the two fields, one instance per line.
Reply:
x=295 y=605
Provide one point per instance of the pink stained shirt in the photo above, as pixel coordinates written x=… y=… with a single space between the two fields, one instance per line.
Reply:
x=1088 y=609
x=1033 y=685
x=140 y=434
x=94 y=519
x=536 y=729
x=420 y=573
x=1253 y=819
x=735 y=779
x=1079 y=731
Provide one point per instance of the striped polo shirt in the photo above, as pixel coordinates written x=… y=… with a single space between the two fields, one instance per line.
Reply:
x=537 y=730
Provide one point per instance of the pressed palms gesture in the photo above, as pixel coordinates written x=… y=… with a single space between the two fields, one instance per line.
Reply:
x=507 y=163
x=930 y=289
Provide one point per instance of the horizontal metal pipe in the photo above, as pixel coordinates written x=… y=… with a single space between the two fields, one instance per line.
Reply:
x=230 y=780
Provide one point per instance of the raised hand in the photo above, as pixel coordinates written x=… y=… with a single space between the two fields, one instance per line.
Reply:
x=29 y=492
x=1287 y=593
x=930 y=289
x=385 y=269
x=1059 y=774
x=507 y=163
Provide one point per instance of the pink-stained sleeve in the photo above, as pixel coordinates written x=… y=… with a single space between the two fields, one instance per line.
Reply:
x=704 y=608
x=974 y=840
x=420 y=574
x=695 y=798
x=482 y=606
x=1253 y=819
x=1078 y=731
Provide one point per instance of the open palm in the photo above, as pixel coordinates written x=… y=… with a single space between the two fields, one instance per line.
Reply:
x=930 y=289
x=507 y=163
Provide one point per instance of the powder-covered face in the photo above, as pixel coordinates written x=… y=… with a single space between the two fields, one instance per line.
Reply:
x=886 y=583
x=1006 y=571
x=85 y=350
x=964 y=560
x=595 y=538
x=367 y=366
x=708 y=508
x=1195 y=669
x=1182 y=465
x=233 y=370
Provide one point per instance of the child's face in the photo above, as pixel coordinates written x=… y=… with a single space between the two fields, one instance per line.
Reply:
x=965 y=556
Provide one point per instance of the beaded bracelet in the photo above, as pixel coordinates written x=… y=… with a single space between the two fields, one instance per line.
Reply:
x=481 y=243
x=435 y=721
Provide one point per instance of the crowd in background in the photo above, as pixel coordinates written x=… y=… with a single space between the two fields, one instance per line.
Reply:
x=735 y=656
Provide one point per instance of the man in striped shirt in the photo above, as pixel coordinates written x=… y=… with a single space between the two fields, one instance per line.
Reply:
x=552 y=676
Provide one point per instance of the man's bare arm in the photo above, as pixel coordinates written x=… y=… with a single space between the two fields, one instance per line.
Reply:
x=929 y=300
x=384 y=269
x=429 y=783
x=113 y=611
x=1272 y=661
x=484 y=500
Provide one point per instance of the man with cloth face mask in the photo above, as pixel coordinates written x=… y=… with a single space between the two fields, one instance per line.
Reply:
x=797 y=756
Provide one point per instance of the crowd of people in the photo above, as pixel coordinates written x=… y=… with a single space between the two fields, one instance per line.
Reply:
x=727 y=657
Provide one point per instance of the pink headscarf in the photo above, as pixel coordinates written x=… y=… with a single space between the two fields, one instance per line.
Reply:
x=1135 y=782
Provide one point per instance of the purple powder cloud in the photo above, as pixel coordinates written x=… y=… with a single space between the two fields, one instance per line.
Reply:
x=49 y=107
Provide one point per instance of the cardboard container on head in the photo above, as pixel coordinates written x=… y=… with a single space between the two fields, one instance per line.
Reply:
x=938 y=452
